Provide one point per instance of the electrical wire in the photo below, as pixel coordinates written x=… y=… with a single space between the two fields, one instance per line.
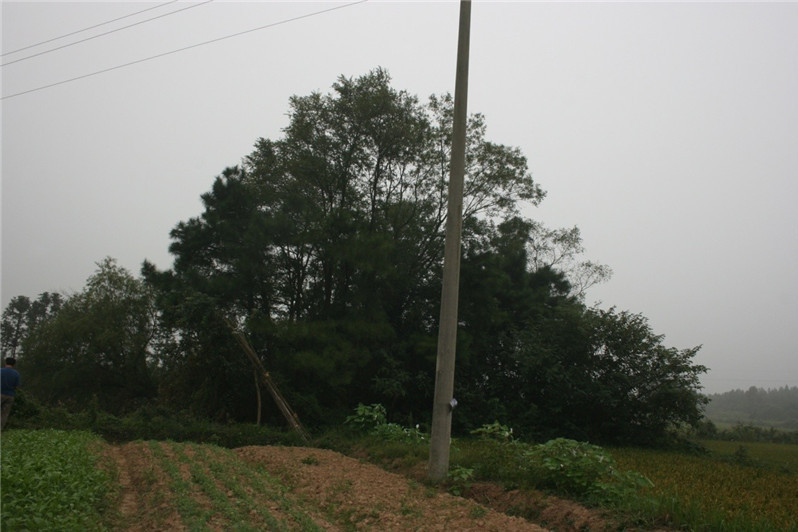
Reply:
x=86 y=29
x=117 y=67
x=192 y=6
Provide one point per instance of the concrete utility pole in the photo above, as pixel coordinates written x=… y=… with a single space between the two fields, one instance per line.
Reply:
x=444 y=403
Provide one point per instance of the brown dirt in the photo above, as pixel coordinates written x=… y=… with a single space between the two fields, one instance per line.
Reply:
x=144 y=498
x=561 y=514
x=373 y=498
x=335 y=492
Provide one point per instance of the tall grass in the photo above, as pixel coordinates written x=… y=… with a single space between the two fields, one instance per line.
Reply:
x=51 y=481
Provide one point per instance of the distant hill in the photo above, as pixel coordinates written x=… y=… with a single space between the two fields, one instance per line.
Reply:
x=777 y=408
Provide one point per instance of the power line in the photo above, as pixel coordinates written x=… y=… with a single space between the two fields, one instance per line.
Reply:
x=106 y=33
x=86 y=29
x=117 y=67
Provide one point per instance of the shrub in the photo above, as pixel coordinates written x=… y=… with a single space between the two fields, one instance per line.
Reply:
x=495 y=460
x=367 y=417
x=373 y=419
x=395 y=432
x=494 y=431
x=584 y=470
x=460 y=479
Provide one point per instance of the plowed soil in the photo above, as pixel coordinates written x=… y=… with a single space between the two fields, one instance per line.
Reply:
x=171 y=486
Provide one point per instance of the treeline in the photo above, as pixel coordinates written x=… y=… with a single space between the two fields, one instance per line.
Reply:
x=324 y=247
x=777 y=408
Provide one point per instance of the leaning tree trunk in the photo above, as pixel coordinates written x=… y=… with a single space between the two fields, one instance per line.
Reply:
x=279 y=400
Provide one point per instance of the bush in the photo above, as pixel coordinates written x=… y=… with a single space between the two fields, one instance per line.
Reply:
x=566 y=467
x=395 y=432
x=373 y=419
x=494 y=431
x=460 y=479
x=367 y=417
x=585 y=471
x=498 y=461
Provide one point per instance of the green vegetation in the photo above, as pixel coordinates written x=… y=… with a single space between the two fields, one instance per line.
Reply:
x=745 y=433
x=777 y=408
x=210 y=473
x=576 y=470
x=373 y=419
x=51 y=481
x=750 y=490
x=567 y=467
x=729 y=486
x=324 y=247
x=725 y=487
x=97 y=340
x=777 y=456
x=56 y=480
x=146 y=423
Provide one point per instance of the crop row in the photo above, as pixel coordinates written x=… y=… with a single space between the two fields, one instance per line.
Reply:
x=212 y=487
x=69 y=481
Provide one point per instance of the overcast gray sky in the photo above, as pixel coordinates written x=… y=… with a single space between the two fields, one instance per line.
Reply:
x=667 y=132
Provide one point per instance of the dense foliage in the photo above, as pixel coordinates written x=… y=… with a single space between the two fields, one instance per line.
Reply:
x=23 y=315
x=325 y=248
x=98 y=343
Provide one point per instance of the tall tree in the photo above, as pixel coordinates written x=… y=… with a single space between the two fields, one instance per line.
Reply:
x=646 y=387
x=22 y=315
x=327 y=243
x=98 y=343
x=326 y=246
x=14 y=326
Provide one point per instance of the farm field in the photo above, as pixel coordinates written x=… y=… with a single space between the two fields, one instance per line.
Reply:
x=73 y=480
x=780 y=456
x=50 y=480
x=752 y=489
x=184 y=486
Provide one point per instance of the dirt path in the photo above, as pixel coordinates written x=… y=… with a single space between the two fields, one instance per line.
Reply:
x=373 y=499
x=171 y=486
x=144 y=501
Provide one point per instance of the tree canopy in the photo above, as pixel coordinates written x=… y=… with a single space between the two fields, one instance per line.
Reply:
x=325 y=247
x=97 y=343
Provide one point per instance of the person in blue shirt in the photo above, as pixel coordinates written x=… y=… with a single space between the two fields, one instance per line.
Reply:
x=9 y=381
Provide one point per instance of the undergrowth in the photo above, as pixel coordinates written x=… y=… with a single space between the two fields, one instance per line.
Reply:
x=148 y=422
